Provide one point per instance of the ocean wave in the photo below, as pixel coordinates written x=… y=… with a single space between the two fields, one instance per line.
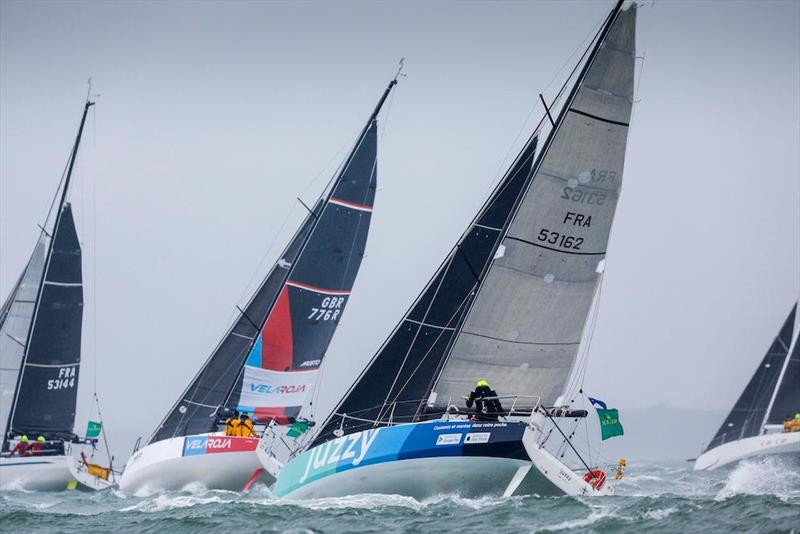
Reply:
x=771 y=475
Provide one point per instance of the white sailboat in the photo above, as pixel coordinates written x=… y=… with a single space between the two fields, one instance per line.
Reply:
x=269 y=360
x=763 y=421
x=509 y=305
x=40 y=355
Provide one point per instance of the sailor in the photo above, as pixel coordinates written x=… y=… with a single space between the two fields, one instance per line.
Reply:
x=486 y=402
x=232 y=424
x=246 y=428
x=792 y=424
x=38 y=446
x=22 y=447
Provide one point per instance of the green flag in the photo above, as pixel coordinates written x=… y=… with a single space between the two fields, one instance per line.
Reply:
x=609 y=422
x=93 y=429
x=298 y=428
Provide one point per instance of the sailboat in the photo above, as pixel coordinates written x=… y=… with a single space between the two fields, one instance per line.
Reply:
x=267 y=364
x=40 y=357
x=508 y=305
x=762 y=422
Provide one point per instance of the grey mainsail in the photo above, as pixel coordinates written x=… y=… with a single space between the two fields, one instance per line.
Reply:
x=15 y=322
x=524 y=329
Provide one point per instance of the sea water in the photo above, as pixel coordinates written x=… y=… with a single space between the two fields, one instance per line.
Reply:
x=755 y=496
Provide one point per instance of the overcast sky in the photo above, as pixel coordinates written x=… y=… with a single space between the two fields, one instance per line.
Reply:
x=213 y=118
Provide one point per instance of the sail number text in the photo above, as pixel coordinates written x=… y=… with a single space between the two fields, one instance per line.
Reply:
x=559 y=239
x=329 y=310
x=66 y=379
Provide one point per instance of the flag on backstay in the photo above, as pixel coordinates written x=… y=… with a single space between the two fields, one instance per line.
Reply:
x=93 y=429
x=298 y=428
x=609 y=419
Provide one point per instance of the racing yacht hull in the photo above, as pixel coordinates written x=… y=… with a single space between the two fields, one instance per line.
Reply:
x=785 y=444
x=47 y=473
x=422 y=460
x=211 y=460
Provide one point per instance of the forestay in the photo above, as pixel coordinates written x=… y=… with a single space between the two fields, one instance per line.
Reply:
x=48 y=388
x=16 y=316
x=523 y=332
x=747 y=415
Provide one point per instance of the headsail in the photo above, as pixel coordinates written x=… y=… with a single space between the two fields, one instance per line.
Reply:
x=48 y=389
x=510 y=302
x=747 y=415
x=15 y=322
x=268 y=361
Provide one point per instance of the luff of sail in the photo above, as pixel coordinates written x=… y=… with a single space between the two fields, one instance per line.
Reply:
x=15 y=322
x=747 y=415
x=48 y=387
x=524 y=329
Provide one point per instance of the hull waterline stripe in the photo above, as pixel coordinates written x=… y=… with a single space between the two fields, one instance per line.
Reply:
x=25 y=463
x=353 y=205
x=609 y=121
x=309 y=287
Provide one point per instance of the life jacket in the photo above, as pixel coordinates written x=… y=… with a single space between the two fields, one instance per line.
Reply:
x=232 y=426
x=246 y=429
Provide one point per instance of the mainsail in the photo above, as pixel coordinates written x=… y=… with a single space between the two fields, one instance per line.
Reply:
x=748 y=414
x=786 y=400
x=48 y=390
x=510 y=301
x=40 y=325
x=267 y=363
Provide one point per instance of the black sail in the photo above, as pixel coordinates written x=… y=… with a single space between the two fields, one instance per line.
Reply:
x=747 y=415
x=787 y=397
x=401 y=372
x=270 y=357
x=48 y=388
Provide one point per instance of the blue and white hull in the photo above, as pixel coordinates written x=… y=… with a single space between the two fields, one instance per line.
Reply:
x=421 y=460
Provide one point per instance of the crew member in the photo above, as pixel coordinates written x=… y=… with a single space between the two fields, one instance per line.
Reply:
x=792 y=425
x=38 y=446
x=22 y=447
x=246 y=429
x=232 y=424
x=486 y=402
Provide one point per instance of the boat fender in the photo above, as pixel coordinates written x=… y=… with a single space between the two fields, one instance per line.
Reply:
x=595 y=478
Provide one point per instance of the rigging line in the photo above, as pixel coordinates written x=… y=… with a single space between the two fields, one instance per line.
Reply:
x=567 y=440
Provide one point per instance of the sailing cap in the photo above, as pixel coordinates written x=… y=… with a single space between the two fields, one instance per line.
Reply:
x=24 y=438
x=482 y=382
x=41 y=438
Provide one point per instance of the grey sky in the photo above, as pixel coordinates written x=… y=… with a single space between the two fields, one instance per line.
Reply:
x=213 y=118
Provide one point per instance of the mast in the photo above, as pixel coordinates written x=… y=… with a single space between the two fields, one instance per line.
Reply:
x=56 y=223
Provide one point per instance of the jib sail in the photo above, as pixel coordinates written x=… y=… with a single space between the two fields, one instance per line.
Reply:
x=268 y=361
